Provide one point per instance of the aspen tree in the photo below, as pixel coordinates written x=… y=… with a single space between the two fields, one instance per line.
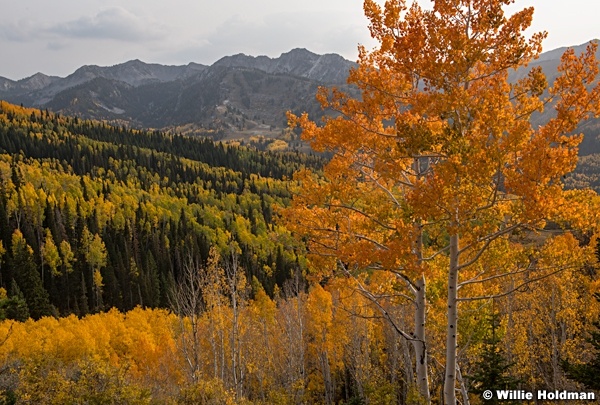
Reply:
x=437 y=162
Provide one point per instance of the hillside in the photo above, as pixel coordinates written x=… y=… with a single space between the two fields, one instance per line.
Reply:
x=94 y=216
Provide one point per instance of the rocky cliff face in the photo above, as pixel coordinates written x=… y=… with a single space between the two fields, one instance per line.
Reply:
x=329 y=68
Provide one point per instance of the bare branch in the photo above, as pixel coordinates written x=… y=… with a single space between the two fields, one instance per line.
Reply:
x=366 y=293
x=504 y=294
x=488 y=239
x=433 y=256
x=361 y=212
x=474 y=280
x=366 y=238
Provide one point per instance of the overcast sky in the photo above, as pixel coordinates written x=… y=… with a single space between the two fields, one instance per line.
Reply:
x=58 y=37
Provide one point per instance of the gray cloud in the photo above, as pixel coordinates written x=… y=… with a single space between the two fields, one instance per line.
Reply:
x=56 y=46
x=37 y=35
x=114 y=23
x=21 y=31
x=274 y=34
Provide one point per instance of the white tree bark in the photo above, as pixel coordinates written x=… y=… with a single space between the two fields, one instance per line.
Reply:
x=452 y=320
x=419 y=343
x=186 y=301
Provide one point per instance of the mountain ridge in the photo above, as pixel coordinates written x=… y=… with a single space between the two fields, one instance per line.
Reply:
x=237 y=94
x=239 y=97
x=159 y=72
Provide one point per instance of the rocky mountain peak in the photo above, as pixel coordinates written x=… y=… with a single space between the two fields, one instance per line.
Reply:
x=237 y=93
x=36 y=82
x=330 y=68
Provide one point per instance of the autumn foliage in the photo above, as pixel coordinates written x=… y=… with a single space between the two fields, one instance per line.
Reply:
x=439 y=234
x=439 y=178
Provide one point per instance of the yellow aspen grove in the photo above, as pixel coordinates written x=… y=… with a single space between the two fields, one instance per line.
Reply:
x=437 y=163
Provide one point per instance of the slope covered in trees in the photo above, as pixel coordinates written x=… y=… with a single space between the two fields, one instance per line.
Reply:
x=442 y=210
x=94 y=217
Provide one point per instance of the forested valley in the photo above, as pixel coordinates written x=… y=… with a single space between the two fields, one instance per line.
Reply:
x=107 y=217
x=435 y=248
x=98 y=218
x=140 y=267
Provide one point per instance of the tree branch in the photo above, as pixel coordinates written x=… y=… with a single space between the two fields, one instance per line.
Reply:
x=512 y=290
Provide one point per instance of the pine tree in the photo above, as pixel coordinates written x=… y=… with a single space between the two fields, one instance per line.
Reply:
x=27 y=277
x=16 y=306
x=492 y=371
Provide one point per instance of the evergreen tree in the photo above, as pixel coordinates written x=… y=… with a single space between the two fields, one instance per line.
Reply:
x=15 y=307
x=492 y=371
x=27 y=277
x=110 y=197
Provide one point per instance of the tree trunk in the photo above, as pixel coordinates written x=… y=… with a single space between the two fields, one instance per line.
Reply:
x=452 y=320
x=419 y=342
x=463 y=386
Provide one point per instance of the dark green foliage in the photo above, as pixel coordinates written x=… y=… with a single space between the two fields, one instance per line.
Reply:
x=28 y=280
x=15 y=306
x=588 y=373
x=8 y=398
x=492 y=370
x=152 y=199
